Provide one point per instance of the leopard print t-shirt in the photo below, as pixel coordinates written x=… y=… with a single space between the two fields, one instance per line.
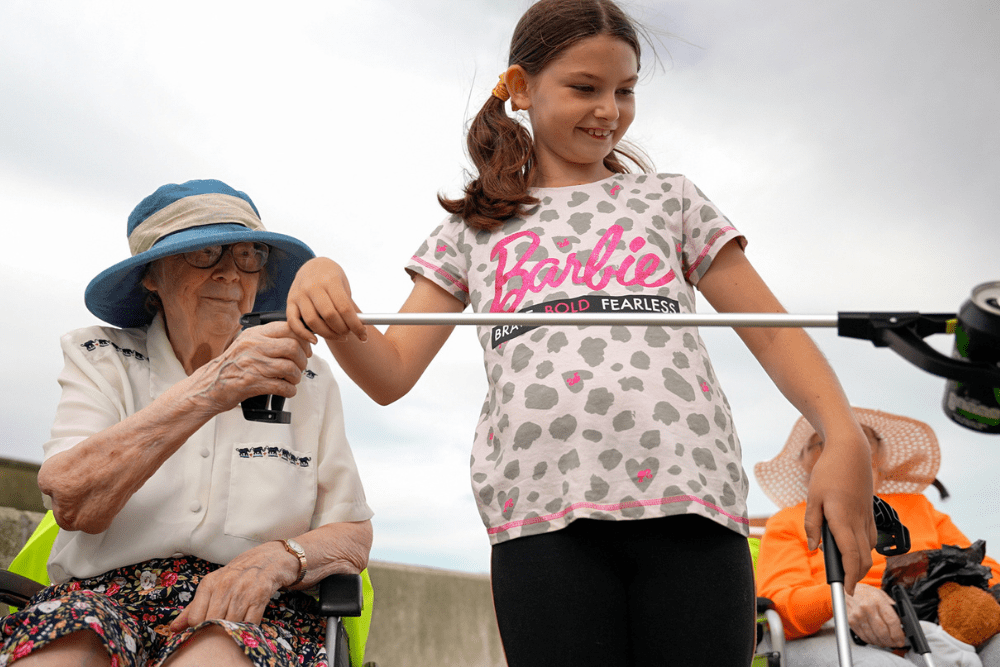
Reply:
x=602 y=422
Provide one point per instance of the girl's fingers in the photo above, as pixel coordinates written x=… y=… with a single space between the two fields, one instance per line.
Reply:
x=852 y=542
x=813 y=525
x=295 y=323
x=856 y=555
x=323 y=319
x=357 y=327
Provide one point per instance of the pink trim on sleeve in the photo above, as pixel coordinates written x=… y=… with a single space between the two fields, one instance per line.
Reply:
x=613 y=507
x=441 y=272
x=707 y=248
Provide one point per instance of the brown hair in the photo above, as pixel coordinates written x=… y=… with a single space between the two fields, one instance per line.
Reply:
x=500 y=147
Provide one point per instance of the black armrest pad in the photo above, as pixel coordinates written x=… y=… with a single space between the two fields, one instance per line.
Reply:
x=341 y=595
x=17 y=590
x=763 y=604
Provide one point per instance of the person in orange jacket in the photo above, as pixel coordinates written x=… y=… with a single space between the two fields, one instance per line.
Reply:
x=905 y=460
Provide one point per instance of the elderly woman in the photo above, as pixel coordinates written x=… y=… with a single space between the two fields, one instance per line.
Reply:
x=905 y=460
x=188 y=532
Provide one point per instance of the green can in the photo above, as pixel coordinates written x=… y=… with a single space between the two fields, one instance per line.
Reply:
x=977 y=338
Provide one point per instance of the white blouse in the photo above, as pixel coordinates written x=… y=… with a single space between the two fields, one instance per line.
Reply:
x=233 y=485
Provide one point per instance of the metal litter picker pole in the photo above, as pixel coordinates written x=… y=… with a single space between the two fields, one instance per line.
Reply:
x=526 y=319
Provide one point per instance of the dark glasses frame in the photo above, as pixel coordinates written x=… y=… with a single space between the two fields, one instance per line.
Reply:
x=249 y=256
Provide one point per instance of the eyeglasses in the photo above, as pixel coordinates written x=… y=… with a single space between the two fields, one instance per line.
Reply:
x=248 y=257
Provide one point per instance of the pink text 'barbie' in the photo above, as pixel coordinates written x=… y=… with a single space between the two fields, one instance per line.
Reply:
x=596 y=273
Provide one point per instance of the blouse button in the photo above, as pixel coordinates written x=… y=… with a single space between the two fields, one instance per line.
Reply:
x=205 y=453
x=195 y=506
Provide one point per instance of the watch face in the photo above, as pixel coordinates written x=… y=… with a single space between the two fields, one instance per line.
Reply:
x=296 y=548
x=987 y=297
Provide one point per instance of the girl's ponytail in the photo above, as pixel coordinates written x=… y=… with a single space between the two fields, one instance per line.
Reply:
x=502 y=152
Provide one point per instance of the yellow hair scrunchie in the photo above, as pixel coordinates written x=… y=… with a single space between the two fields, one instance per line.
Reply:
x=500 y=91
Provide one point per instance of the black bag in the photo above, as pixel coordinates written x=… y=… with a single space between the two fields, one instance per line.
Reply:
x=922 y=572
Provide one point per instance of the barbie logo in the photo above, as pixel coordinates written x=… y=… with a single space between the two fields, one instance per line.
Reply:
x=645 y=475
x=509 y=505
x=615 y=189
x=573 y=380
x=596 y=273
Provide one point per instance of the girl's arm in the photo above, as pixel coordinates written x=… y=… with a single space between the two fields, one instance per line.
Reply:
x=840 y=487
x=385 y=366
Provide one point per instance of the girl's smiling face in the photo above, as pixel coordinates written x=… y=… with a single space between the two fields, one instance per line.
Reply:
x=580 y=106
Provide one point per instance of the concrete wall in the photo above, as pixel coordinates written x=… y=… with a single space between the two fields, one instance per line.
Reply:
x=422 y=617
x=19 y=486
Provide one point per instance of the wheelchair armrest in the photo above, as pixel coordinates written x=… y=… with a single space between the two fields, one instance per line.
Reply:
x=763 y=604
x=16 y=590
x=341 y=595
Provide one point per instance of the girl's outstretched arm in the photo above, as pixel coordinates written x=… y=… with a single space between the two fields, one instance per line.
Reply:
x=841 y=484
x=385 y=366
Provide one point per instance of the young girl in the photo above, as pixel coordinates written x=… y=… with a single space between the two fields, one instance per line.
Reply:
x=605 y=463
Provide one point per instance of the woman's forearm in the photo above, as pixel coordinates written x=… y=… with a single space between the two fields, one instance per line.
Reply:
x=335 y=548
x=92 y=481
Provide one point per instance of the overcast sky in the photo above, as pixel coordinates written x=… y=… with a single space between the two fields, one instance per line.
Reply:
x=856 y=144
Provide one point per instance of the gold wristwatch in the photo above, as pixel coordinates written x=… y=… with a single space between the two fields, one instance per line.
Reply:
x=294 y=548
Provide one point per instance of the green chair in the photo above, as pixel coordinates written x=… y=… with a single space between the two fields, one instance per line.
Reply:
x=346 y=600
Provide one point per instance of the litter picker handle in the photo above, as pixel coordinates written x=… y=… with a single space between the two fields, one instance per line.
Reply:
x=265 y=408
x=831 y=557
x=893 y=536
x=911 y=624
x=835 y=577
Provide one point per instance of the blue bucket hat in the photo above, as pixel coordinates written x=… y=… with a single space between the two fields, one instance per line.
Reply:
x=181 y=218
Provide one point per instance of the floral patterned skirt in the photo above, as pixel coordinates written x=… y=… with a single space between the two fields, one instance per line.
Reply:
x=130 y=609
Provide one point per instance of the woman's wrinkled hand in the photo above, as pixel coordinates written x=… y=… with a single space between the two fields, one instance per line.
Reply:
x=268 y=359
x=320 y=299
x=872 y=616
x=241 y=590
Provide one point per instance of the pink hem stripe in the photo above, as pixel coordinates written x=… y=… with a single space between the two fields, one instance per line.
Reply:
x=708 y=247
x=441 y=272
x=613 y=507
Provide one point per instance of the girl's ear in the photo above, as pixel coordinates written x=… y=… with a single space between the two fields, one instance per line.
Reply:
x=517 y=86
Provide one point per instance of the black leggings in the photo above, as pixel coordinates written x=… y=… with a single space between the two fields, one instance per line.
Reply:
x=668 y=591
